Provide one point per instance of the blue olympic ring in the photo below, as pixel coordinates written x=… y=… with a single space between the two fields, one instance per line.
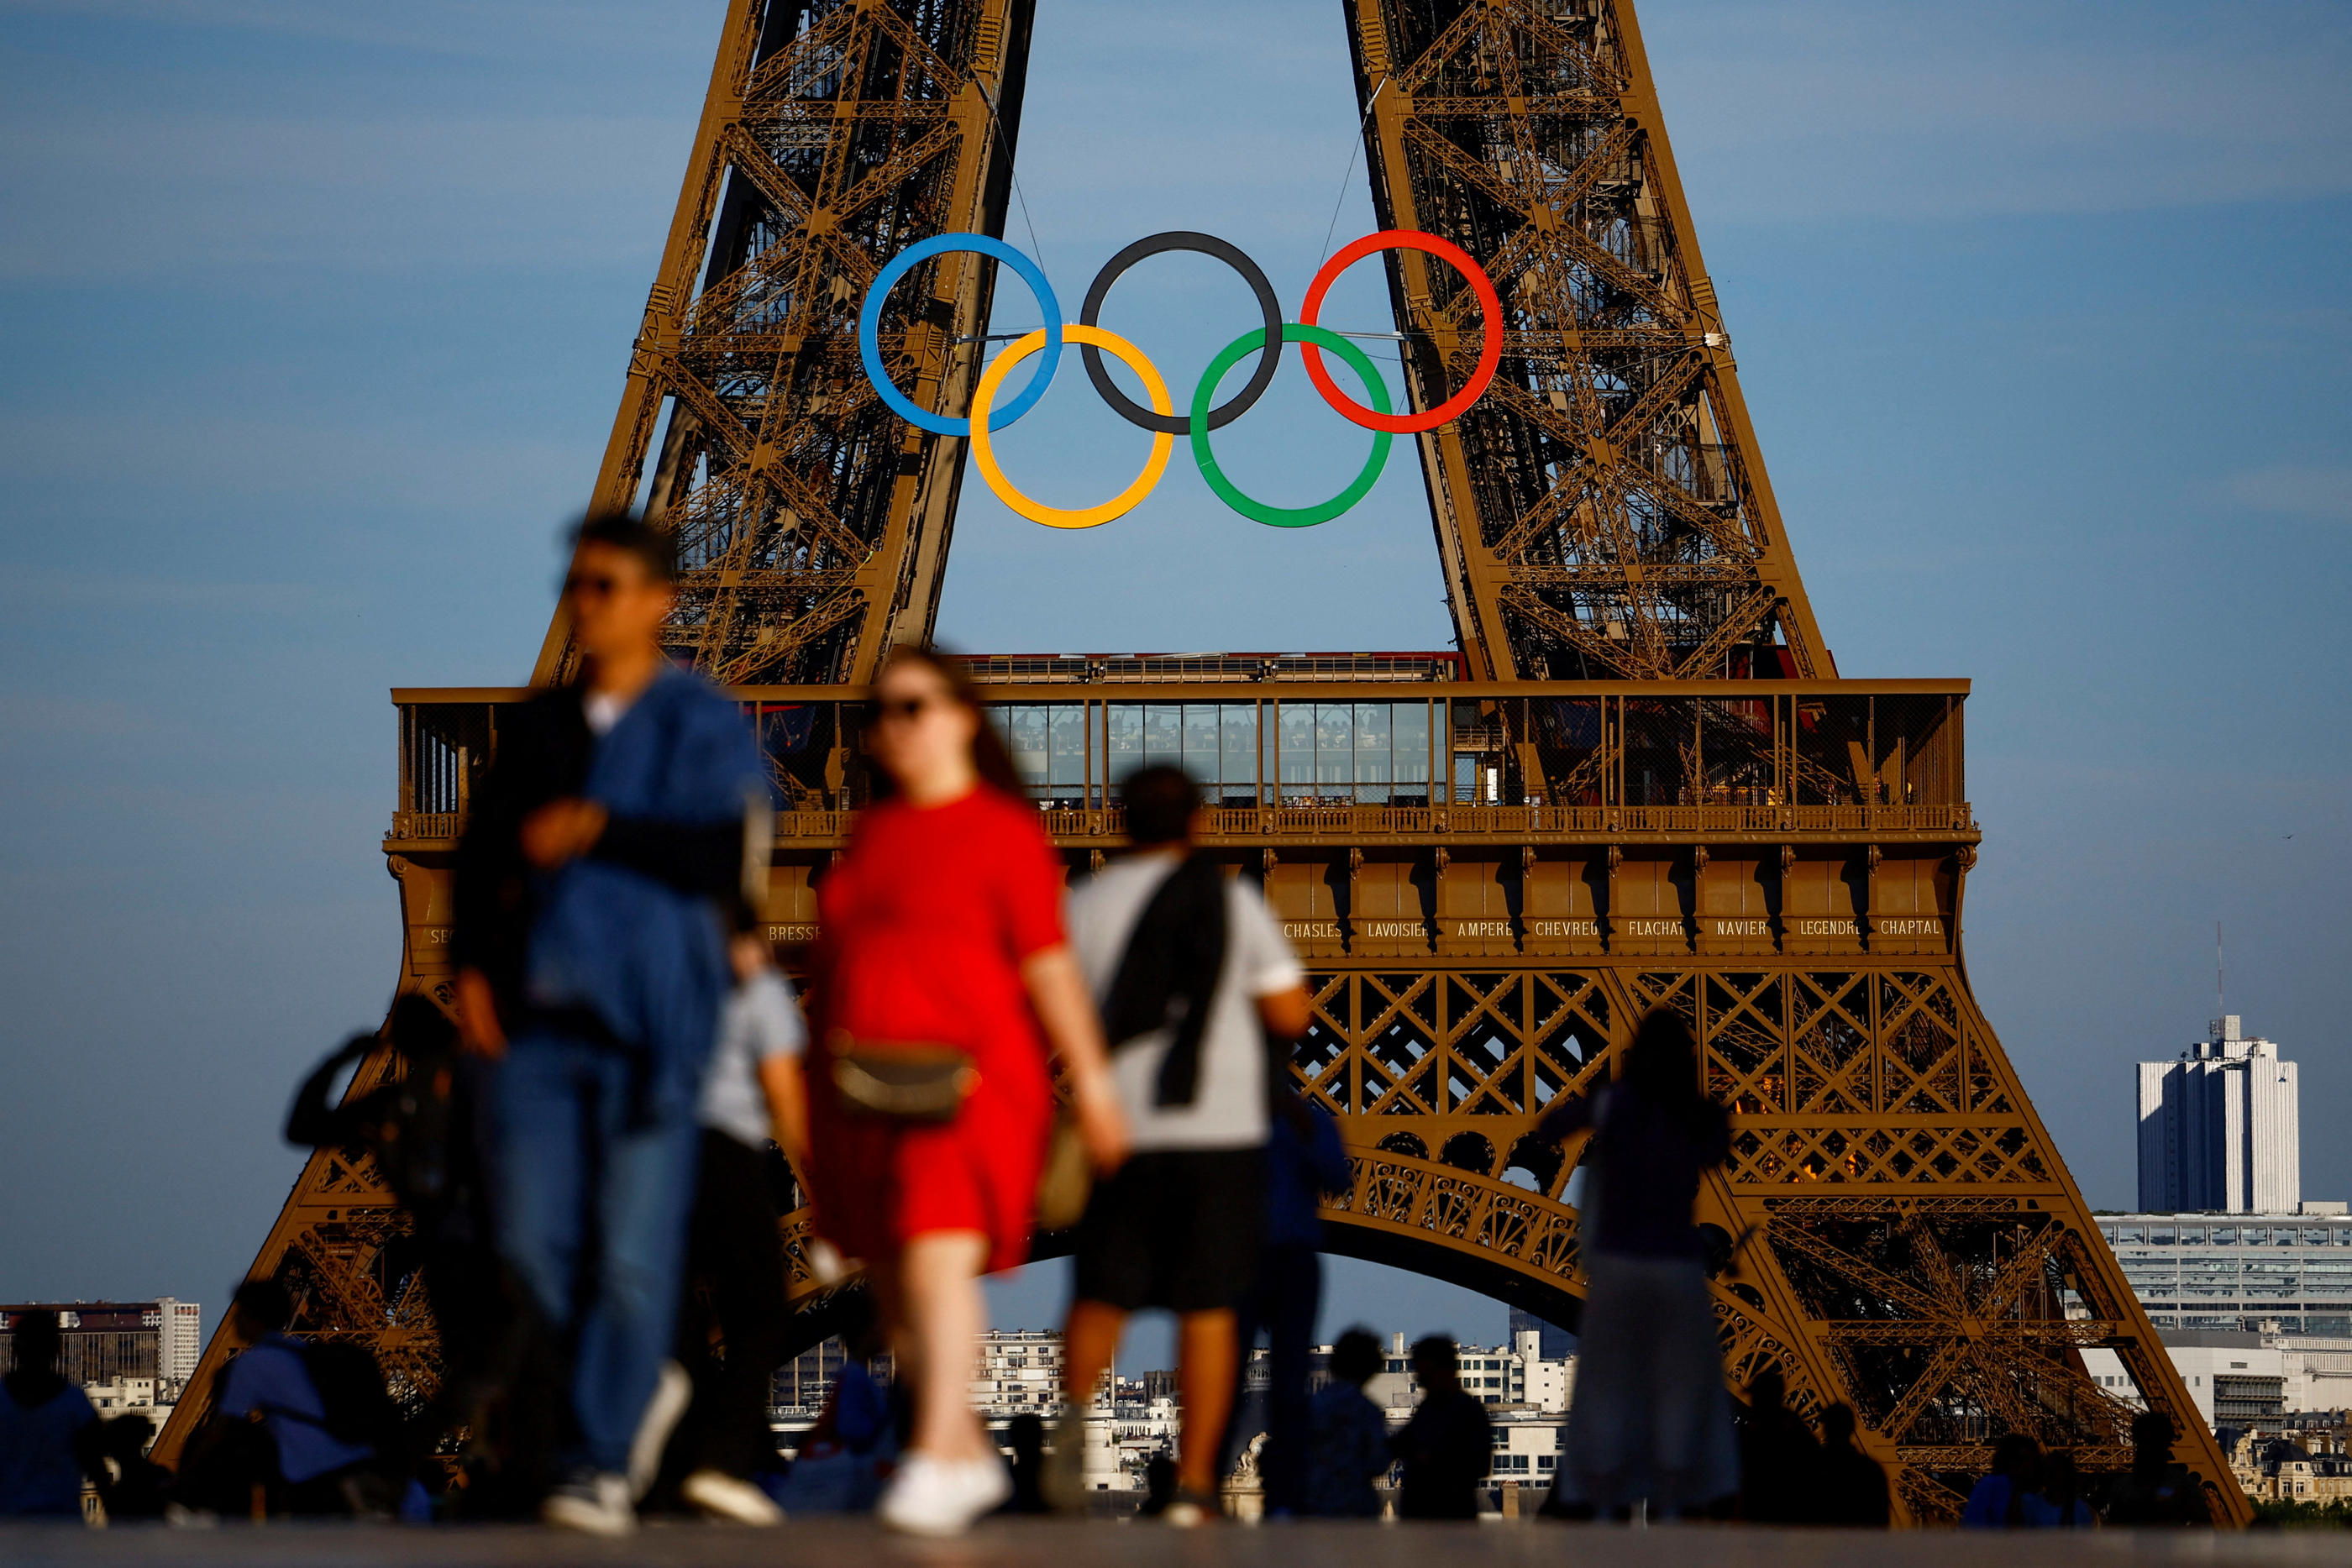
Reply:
x=869 y=331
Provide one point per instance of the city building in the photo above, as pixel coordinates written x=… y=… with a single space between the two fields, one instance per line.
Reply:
x=106 y=1343
x=2238 y=1271
x=2284 y=1469
x=1515 y=1374
x=2248 y=1379
x=2219 y=1128
x=1556 y=1343
x=1020 y=1372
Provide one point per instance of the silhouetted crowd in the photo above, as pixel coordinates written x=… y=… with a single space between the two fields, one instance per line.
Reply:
x=593 y=1144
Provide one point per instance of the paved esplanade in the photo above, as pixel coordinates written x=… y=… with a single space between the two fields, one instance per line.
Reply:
x=858 y=1544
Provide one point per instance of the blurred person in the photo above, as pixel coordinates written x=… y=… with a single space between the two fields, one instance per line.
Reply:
x=735 y=1250
x=1651 y=1419
x=1304 y=1161
x=1780 y=1462
x=943 y=985
x=620 y=811
x=1444 y=1452
x=2064 y=1507
x=1195 y=979
x=2007 y=1496
x=1853 y=1487
x=1348 y=1437
x=303 y=1424
x=420 y=1127
x=853 y=1444
x=131 y=1486
x=48 y=1429
x=1025 y=1436
x=1159 y=1485
x=2158 y=1491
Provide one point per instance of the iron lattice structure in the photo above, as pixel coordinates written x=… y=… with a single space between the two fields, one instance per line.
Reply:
x=1601 y=510
x=812 y=522
x=1639 y=785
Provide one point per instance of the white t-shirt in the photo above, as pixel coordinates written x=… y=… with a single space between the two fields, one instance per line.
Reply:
x=761 y=1019
x=1229 y=1110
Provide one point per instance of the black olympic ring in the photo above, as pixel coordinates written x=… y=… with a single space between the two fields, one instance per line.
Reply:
x=1269 y=357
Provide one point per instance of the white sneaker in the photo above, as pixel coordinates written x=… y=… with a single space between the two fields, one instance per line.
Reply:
x=672 y=1393
x=943 y=1497
x=594 y=1505
x=722 y=1496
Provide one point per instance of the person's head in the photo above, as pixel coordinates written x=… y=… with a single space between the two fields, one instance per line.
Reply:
x=1355 y=1357
x=860 y=1325
x=421 y=1031
x=1162 y=805
x=2152 y=1435
x=622 y=586
x=1767 y=1390
x=263 y=1307
x=926 y=731
x=1662 y=1062
x=39 y=1343
x=125 y=1438
x=1025 y=1436
x=2019 y=1458
x=1434 y=1363
x=748 y=953
x=1159 y=1481
x=1837 y=1425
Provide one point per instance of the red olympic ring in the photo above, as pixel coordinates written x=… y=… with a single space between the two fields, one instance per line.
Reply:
x=1488 y=358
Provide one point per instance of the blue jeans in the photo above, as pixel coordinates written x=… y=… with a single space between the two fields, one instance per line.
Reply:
x=591 y=1214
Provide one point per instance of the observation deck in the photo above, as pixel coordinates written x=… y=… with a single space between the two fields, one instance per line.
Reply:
x=1394 y=810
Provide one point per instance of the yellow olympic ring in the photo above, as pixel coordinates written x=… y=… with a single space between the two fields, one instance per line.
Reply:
x=983 y=451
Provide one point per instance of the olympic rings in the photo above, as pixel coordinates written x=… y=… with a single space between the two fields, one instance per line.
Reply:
x=983 y=450
x=1268 y=305
x=1258 y=511
x=1488 y=357
x=1200 y=418
x=869 y=329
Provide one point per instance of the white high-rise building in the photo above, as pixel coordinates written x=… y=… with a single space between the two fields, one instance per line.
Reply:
x=180 y=1344
x=2218 y=1128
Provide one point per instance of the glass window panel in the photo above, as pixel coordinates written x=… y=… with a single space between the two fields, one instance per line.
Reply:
x=1297 y=726
x=1069 y=749
x=1335 y=750
x=1374 y=767
x=2225 y=1235
x=2286 y=1236
x=2256 y=1236
x=2159 y=1235
x=1408 y=743
x=1027 y=739
x=2192 y=1236
x=1126 y=740
x=2131 y=1236
x=1163 y=735
x=1200 y=741
x=1238 y=743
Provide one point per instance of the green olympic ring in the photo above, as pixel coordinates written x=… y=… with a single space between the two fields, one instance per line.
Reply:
x=1259 y=511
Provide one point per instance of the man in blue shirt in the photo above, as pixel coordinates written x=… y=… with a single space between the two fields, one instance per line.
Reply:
x=620 y=813
x=270 y=1379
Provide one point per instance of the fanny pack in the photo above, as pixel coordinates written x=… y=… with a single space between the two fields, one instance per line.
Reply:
x=901 y=1081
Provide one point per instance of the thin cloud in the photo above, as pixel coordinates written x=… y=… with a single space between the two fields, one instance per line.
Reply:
x=2321 y=493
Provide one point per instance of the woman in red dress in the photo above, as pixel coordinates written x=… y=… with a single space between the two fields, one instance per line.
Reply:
x=942 y=925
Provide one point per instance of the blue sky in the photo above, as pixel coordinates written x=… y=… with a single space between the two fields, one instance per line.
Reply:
x=312 y=317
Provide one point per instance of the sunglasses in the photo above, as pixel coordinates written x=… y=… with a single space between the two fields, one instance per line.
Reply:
x=904 y=710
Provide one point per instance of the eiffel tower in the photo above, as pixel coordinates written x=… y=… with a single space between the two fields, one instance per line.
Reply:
x=1640 y=783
